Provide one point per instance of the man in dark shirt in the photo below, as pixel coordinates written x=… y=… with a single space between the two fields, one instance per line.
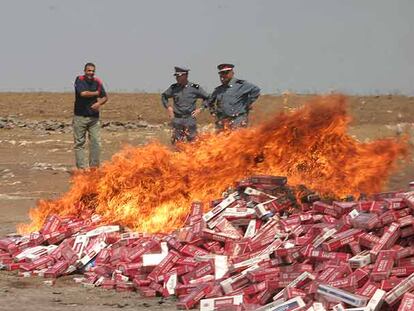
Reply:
x=183 y=111
x=231 y=101
x=90 y=95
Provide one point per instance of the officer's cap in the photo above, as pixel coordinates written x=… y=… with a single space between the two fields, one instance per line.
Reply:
x=180 y=71
x=225 y=67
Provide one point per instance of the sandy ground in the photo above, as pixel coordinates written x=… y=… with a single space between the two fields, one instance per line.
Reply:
x=36 y=163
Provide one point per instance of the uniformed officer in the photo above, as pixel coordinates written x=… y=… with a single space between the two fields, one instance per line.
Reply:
x=231 y=101
x=183 y=111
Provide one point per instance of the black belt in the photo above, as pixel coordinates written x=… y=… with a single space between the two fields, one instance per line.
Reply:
x=178 y=115
x=234 y=116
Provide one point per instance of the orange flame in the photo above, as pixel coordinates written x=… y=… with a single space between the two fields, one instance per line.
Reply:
x=150 y=188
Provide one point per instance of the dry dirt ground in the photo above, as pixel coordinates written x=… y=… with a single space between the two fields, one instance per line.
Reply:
x=34 y=163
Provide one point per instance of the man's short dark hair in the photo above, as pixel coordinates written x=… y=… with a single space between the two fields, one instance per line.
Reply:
x=89 y=65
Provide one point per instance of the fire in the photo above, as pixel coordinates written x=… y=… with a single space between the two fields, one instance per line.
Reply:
x=150 y=188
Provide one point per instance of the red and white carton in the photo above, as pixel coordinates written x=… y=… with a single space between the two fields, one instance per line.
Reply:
x=368 y=289
x=255 y=288
x=366 y=221
x=294 y=304
x=69 y=254
x=201 y=270
x=217 y=236
x=406 y=221
x=196 y=209
x=102 y=229
x=57 y=269
x=395 y=203
x=407 y=231
x=155 y=259
x=164 y=266
x=193 y=251
x=402 y=271
x=34 y=253
x=203 y=279
x=36 y=238
x=196 y=213
x=182 y=290
x=103 y=257
x=234 y=213
x=194 y=296
x=355 y=248
x=263 y=208
x=338 y=307
x=170 y=283
x=270 y=225
x=81 y=241
x=388 y=217
x=221 y=266
x=257 y=193
x=301 y=279
x=340 y=239
x=291 y=292
x=221 y=303
x=56 y=237
x=383 y=265
x=226 y=227
x=321 y=255
x=376 y=300
x=92 y=252
x=368 y=240
x=407 y=302
x=402 y=212
x=406 y=262
x=398 y=291
x=361 y=260
x=41 y=263
x=51 y=224
x=327 y=209
x=344 y=207
x=409 y=198
x=128 y=269
x=135 y=253
x=340 y=295
x=220 y=207
x=187 y=261
x=348 y=283
x=235 y=281
x=323 y=236
x=387 y=240
x=250 y=262
x=318 y=306
x=390 y=283
x=361 y=276
x=173 y=243
x=253 y=226
x=126 y=236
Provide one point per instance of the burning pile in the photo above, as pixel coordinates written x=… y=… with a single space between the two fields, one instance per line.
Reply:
x=150 y=189
x=138 y=223
x=254 y=250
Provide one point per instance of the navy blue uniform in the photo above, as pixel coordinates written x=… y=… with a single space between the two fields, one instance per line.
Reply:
x=231 y=102
x=184 y=125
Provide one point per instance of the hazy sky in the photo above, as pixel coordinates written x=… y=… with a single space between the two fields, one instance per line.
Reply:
x=353 y=46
